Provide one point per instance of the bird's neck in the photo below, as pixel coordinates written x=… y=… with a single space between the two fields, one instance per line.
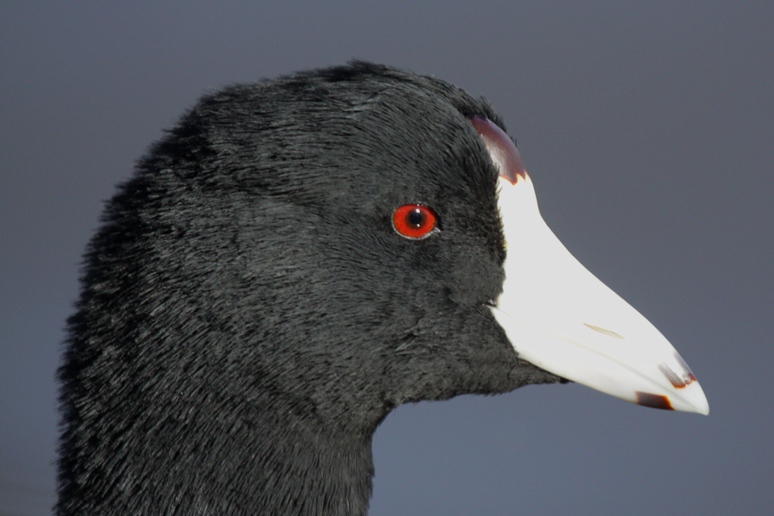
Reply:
x=297 y=469
x=207 y=461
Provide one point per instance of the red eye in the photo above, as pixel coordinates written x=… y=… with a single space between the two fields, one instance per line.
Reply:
x=414 y=221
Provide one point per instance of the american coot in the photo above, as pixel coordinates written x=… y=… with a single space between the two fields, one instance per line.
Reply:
x=294 y=260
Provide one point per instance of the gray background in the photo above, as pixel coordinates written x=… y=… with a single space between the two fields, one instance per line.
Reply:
x=647 y=128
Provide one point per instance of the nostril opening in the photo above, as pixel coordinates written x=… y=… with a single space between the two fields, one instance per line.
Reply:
x=603 y=331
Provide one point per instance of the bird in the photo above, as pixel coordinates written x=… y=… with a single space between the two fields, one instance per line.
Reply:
x=295 y=259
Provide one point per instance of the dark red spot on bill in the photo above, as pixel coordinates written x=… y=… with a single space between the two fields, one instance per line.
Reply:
x=678 y=379
x=647 y=399
x=501 y=149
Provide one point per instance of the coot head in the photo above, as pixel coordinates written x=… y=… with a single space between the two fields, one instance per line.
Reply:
x=295 y=259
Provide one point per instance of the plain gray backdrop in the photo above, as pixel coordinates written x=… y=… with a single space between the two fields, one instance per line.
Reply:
x=647 y=127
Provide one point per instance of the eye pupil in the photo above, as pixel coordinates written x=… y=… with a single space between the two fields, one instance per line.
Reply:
x=415 y=218
x=414 y=221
